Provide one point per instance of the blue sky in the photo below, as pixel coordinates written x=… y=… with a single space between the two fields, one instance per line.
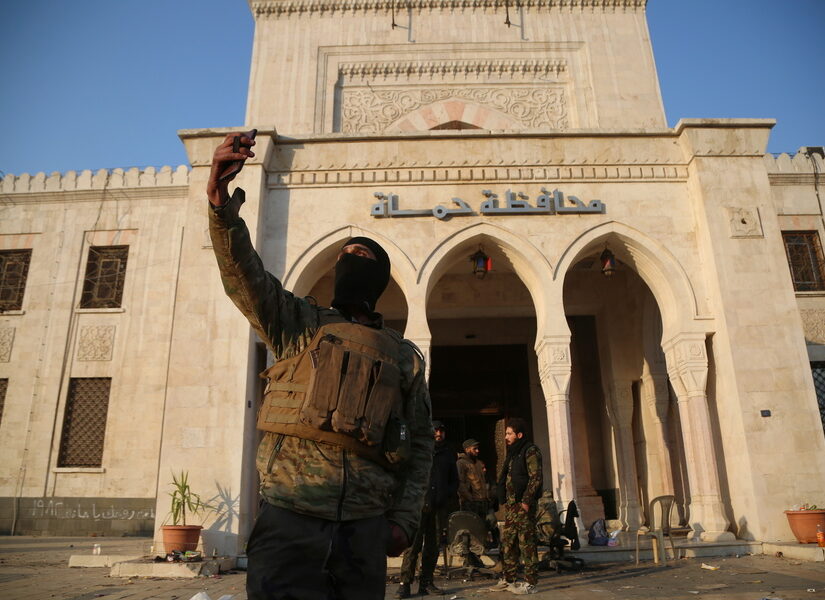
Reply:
x=90 y=84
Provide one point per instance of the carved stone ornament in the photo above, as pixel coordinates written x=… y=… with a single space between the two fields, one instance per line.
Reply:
x=6 y=343
x=813 y=323
x=96 y=342
x=744 y=223
x=371 y=111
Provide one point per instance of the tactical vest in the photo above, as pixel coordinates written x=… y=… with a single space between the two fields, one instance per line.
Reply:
x=344 y=388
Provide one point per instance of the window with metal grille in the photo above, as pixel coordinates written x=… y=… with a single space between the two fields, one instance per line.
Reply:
x=105 y=275
x=84 y=424
x=4 y=385
x=805 y=260
x=818 y=370
x=14 y=268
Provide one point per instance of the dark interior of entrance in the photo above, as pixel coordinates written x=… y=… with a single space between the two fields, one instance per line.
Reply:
x=473 y=388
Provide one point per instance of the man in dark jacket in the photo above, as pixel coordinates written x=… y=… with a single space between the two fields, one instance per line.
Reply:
x=519 y=489
x=335 y=507
x=442 y=490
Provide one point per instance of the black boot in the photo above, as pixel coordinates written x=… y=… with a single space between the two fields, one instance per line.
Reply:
x=403 y=591
x=428 y=587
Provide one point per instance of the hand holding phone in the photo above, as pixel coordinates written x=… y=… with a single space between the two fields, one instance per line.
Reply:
x=237 y=143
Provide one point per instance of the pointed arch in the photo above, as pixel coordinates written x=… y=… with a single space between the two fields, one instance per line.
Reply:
x=448 y=110
x=660 y=270
x=531 y=266
x=315 y=260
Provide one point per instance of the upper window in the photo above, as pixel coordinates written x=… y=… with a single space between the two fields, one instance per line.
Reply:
x=14 y=268
x=105 y=275
x=805 y=260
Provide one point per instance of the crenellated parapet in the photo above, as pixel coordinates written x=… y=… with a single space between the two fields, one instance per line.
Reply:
x=803 y=161
x=103 y=179
x=276 y=8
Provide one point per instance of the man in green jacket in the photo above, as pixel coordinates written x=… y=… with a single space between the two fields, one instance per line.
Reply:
x=342 y=488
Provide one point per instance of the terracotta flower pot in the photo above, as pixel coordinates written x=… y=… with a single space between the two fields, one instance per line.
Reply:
x=803 y=524
x=181 y=537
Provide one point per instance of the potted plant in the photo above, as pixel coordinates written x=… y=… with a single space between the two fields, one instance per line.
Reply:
x=179 y=535
x=803 y=521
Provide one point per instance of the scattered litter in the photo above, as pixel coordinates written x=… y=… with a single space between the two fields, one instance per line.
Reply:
x=692 y=592
x=778 y=554
x=205 y=596
x=709 y=567
x=812 y=590
x=754 y=581
x=454 y=597
x=772 y=598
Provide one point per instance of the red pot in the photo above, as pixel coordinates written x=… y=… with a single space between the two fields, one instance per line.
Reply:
x=180 y=537
x=803 y=524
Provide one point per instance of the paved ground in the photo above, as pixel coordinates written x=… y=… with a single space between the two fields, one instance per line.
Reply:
x=36 y=569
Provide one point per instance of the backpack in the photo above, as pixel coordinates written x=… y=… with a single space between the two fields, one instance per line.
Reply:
x=597 y=535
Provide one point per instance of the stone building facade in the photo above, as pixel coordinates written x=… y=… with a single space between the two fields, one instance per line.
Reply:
x=441 y=132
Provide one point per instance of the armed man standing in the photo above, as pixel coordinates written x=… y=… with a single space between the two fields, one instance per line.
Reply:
x=519 y=488
x=346 y=454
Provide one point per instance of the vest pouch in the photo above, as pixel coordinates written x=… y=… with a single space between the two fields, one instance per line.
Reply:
x=326 y=360
x=383 y=399
x=397 y=445
x=282 y=398
x=357 y=372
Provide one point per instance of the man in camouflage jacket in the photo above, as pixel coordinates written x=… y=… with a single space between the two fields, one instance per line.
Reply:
x=330 y=516
x=519 y=488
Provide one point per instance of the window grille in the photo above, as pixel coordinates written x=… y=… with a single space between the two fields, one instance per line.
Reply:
x=14 y=268
x=4 y=385
x=105 y=276
x=84 y=424
x=818 y=370
x=805 y=259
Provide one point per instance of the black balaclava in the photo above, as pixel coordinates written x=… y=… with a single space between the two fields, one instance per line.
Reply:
x=360 y=281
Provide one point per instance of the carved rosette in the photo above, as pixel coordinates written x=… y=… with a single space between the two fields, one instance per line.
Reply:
x=96 y=342
x=744 y=223
x=6 y=343
x=371 y=111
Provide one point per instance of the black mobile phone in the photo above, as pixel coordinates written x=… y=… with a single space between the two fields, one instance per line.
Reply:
x=236 y=166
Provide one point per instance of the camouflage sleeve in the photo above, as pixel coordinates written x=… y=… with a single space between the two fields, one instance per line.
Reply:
x=415 y=475
x=282 y=321
x=533 y=460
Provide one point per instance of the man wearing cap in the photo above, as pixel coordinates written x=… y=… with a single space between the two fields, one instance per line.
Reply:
x=347 y=443
x=442 y=489
x=473 y=494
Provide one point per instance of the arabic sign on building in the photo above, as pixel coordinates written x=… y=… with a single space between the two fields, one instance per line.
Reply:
x=515 y=203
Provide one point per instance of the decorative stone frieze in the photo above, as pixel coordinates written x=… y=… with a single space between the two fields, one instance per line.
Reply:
x=276 y=8
x=100 y=180
x=408 y=173
x=366 y=110
x=744 y=223
x=813 y=323
x=96 y=342
x=439 y=69
x=6 y=343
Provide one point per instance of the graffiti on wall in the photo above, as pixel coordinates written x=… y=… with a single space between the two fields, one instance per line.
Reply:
x=55 y=509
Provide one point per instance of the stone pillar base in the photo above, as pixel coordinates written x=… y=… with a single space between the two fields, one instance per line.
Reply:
x=711 y=536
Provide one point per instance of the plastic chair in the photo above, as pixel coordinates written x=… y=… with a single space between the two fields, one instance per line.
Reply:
x=658 y=530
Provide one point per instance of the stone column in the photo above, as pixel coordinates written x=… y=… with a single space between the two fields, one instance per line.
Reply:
x=554 y=373
x=655 y=396
x=418 y=330
x=620 y=412
x=687 y=366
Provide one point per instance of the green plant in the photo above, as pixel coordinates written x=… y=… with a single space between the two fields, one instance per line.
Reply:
x=184 y=499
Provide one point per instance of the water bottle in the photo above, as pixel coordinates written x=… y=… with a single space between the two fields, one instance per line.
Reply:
x=820 y=536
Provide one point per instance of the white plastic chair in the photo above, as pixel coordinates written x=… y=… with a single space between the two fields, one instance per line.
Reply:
x=658 y=530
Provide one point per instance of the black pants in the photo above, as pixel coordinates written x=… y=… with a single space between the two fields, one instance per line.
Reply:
x=428 y=537
x=296 y=557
